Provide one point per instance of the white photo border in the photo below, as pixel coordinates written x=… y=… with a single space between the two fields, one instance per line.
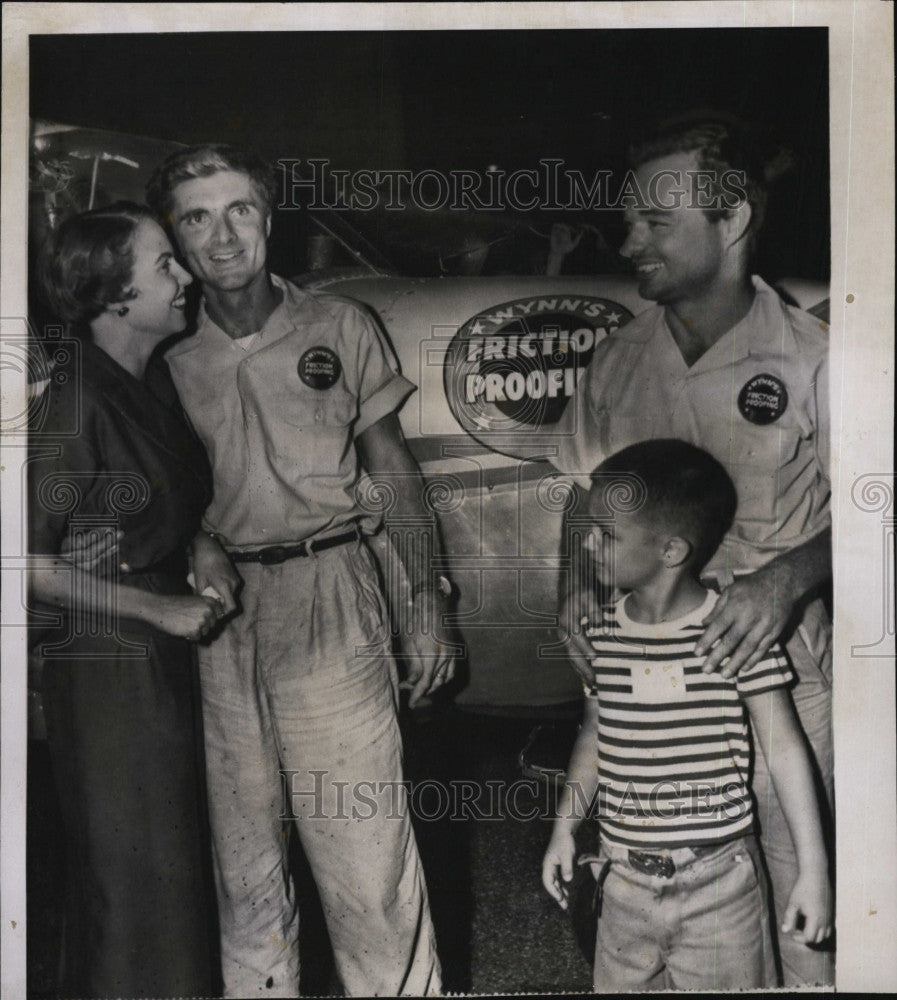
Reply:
x=862 y=353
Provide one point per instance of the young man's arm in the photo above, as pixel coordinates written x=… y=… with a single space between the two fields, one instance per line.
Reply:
x=782 y=744
x=579 y=791
x=209 y=563
x=385 y=457
x=212 y=569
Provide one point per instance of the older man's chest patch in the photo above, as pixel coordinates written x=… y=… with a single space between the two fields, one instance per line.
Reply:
x=763 y=399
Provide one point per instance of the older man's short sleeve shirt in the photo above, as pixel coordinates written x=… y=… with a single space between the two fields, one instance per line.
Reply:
x=279 y=415
x=757 y=401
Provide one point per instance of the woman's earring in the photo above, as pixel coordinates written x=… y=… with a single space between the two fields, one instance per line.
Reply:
x=123 y=311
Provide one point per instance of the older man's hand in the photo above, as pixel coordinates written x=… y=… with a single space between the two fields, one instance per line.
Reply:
x=746 y=620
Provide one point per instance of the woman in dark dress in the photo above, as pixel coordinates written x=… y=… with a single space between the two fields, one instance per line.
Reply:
x=112 y=455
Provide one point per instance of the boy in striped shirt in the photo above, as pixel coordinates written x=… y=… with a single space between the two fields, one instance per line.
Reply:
x=665 y=749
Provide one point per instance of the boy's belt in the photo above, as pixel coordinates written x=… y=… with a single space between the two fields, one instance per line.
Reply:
x=663 y=865
x=273 y=555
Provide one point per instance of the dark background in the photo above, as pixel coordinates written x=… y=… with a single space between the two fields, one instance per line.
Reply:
x=461 y=99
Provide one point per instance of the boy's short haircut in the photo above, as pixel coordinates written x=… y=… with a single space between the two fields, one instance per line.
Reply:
x=686 y=491
x=204 y=161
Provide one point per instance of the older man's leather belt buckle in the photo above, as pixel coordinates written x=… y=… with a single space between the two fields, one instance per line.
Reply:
x=273 y=555
x=660 y=865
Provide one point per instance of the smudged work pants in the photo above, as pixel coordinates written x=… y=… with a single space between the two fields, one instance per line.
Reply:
x=810 y=652
x=299 y=701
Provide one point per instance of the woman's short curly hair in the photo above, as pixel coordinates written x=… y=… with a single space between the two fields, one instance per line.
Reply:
x=87 y=263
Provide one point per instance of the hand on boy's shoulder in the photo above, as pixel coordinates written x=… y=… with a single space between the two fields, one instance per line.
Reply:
x=746 y=620
x=571 y=632
x=580 y=653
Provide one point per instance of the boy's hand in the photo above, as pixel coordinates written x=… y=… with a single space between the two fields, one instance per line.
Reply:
x=557 y=865
x=810 y=898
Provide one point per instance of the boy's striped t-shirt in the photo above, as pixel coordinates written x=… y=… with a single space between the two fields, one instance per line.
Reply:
x=674 y=744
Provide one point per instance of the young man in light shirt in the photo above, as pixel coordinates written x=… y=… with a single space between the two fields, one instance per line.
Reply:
x=293 y=395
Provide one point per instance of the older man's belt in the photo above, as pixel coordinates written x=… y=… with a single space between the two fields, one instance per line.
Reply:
x=272 y=555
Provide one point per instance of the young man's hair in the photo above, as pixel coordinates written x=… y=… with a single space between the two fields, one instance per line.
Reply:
x=682 y=489
x=204 y=161
x=726 y=149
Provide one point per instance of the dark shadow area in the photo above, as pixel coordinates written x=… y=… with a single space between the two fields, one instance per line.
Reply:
x=44 y=873
x=497 y=929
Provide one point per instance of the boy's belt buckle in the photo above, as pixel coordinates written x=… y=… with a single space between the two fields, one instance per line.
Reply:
x=660 y=865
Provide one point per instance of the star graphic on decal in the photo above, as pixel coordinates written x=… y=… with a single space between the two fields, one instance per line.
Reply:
x=613 y=318
x=477 y=327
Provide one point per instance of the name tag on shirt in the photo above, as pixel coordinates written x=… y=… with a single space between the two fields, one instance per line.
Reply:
x=657 y=682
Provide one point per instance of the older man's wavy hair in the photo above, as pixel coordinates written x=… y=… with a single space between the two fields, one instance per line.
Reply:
x=722 y=144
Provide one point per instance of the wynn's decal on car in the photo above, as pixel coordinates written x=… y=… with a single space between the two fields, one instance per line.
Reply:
x=511 y=369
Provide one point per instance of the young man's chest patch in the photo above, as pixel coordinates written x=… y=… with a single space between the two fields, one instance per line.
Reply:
x=319 y=368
